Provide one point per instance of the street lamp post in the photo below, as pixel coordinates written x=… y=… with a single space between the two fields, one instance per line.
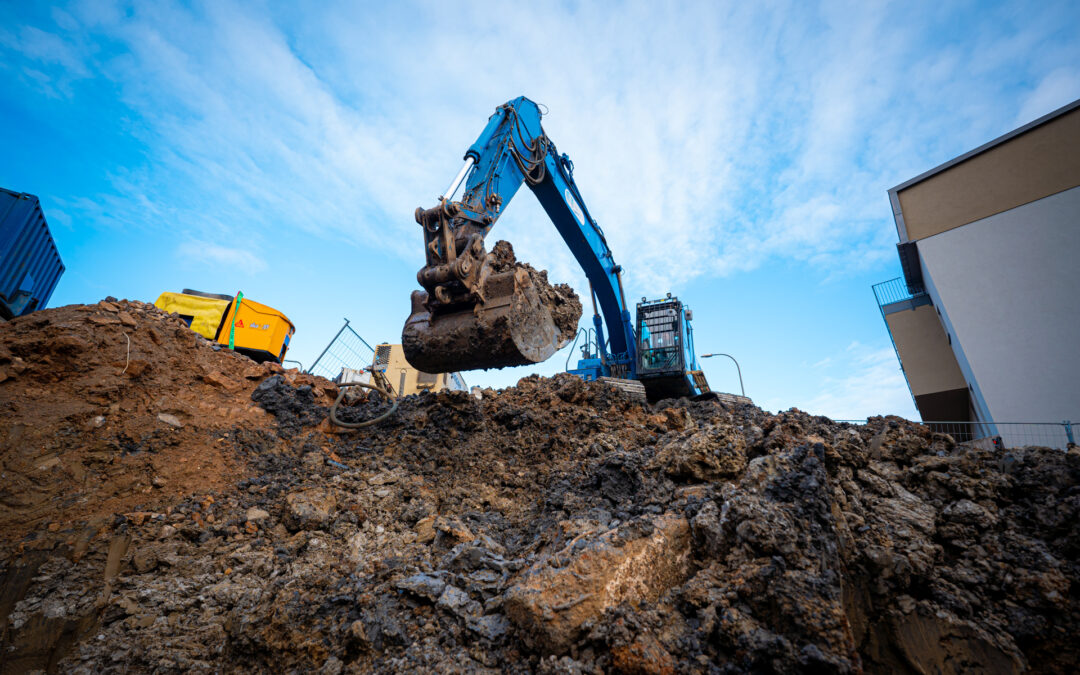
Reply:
x=737 y=369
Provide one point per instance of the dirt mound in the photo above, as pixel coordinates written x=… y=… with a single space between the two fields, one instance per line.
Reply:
x=553 y=527
x=560 y=299
x=115 y=407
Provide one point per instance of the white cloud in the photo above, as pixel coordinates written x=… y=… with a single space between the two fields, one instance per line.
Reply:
x=859 y=382
x=340 y=126
x=58 y=59
x=1058 y=88
x=707 y=141
x=201 y=252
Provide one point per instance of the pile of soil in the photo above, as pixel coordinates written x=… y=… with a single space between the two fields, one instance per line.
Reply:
x=108 y=406
x=555 y=526
x=560 y=299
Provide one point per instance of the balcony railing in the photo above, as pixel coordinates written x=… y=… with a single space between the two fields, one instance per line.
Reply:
x=896 y=290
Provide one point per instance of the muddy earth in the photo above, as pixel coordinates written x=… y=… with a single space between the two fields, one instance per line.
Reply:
x=524 y=320
x=560 y=299
x=197 y=513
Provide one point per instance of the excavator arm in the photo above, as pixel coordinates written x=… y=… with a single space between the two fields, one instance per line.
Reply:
x=476 y=311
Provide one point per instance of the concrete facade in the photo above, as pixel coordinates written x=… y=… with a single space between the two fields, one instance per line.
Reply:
x=1009 y=289
x=1027 y=167
x=924 y=348
x=990 y=245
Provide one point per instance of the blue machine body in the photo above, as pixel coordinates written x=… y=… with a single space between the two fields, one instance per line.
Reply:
x=30 y=265
x=500 y=167
x=498 y=174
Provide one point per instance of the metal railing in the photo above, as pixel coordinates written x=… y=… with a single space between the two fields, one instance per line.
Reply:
x=895 y=290
x=346 y=350
x=887 y=293
x=1004 y=435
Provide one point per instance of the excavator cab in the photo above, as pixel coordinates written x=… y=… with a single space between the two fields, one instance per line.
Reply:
x=665 y=349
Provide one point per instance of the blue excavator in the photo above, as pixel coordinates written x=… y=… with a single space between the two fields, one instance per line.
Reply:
x=479 y=309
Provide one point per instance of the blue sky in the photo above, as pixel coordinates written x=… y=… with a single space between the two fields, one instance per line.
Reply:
x=736 y=154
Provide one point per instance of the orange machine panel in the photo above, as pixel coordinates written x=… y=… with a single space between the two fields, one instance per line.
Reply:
x=261 y=332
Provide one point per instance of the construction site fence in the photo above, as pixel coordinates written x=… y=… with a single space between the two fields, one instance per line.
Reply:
x=346 y=350
x=1005 y=435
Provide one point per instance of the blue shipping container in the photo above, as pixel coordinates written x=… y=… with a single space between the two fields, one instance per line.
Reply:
x=30 y=265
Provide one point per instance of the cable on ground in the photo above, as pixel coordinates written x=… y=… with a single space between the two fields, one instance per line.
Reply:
x=367 y=423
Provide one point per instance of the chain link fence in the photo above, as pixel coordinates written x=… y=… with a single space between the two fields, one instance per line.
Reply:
x=346 y=350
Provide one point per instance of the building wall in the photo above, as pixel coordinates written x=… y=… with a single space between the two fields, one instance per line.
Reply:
x=935 y=379
x=405 y=379
x=979 y=411
x=1032 y=165
x=924 y=351
x=1008 y=286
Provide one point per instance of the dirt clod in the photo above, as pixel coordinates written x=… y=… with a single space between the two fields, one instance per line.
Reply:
x=560 y=299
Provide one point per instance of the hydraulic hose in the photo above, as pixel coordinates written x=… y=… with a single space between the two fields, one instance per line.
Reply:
x=360 y=425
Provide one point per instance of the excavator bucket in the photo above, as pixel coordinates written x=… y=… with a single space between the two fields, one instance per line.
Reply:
x=513 y=326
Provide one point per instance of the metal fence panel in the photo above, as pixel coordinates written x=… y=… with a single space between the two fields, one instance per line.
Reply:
x=346 y=350
x=1004 y=435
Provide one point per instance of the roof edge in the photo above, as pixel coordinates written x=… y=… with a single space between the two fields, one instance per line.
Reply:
x=1068 y=107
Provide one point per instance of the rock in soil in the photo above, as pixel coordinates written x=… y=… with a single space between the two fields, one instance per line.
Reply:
x=552 y=527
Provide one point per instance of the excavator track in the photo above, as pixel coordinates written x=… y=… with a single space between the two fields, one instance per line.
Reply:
x=632 y=388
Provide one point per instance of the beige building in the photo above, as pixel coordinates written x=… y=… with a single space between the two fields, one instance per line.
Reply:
x=400 y=375
x=986 y=319
x=390 y=361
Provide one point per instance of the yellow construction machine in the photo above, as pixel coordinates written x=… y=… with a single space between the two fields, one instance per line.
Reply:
x=251 y=328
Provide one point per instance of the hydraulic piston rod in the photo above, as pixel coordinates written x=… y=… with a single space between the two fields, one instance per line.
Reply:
x=458 y=179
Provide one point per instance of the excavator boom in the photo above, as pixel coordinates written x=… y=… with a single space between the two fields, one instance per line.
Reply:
x=481 y=309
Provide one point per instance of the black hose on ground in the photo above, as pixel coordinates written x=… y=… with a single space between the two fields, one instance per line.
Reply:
x=367 y=423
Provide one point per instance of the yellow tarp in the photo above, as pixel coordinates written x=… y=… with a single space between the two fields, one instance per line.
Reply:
x=205 y=313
